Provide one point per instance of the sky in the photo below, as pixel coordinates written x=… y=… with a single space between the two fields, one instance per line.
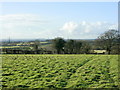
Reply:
x=48 y=20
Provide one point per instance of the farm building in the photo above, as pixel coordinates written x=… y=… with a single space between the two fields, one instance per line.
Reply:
x=99 y=51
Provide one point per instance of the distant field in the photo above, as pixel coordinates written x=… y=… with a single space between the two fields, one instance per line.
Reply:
x=60 y=71
x=9 y=46
x=14 y=47
x=43 y=45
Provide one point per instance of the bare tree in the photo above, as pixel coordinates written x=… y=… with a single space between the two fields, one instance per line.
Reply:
x=36 y=46
x=108 y=39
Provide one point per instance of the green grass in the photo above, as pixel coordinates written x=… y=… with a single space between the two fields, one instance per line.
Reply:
x=60 y=71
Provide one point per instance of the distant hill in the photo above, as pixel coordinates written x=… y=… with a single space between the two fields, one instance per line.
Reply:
x=27 y=40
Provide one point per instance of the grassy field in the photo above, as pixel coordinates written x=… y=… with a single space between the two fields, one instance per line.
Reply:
x=60 y=71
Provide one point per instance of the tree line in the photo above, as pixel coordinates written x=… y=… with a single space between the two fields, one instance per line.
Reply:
x=108 y=41
x=70 y=46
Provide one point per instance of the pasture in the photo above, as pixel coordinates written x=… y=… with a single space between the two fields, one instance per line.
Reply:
x=59 y=71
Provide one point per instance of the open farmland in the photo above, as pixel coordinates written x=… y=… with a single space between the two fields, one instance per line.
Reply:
x=60 y=71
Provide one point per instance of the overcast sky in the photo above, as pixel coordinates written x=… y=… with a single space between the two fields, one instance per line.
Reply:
x=75 y=20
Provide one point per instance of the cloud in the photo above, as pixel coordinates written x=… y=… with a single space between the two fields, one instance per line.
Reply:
x=86 y=29
x=21 y=19
x=83 y=23
x=69 y=27
x=21 y=25
x=25 y=26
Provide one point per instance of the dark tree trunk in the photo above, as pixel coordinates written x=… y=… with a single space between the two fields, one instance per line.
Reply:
x=58 y=51
x=109 y=51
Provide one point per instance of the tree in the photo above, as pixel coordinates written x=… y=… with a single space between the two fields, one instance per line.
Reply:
x=73 y=47
x=69 y=46
x=86 y=47
x=36 y=46
x=77 y=47
x=58 y=44
x=108 y=39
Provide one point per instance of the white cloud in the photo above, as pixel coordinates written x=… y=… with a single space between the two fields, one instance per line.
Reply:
x=83 y=23
x=69 y=27
x=21 y=25
x=33 y=26
x=21 y=19
x=86 y=29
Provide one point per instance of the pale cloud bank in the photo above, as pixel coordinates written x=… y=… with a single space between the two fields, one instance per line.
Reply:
x=34 y=26
x=21 y=25
x=86 y=29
